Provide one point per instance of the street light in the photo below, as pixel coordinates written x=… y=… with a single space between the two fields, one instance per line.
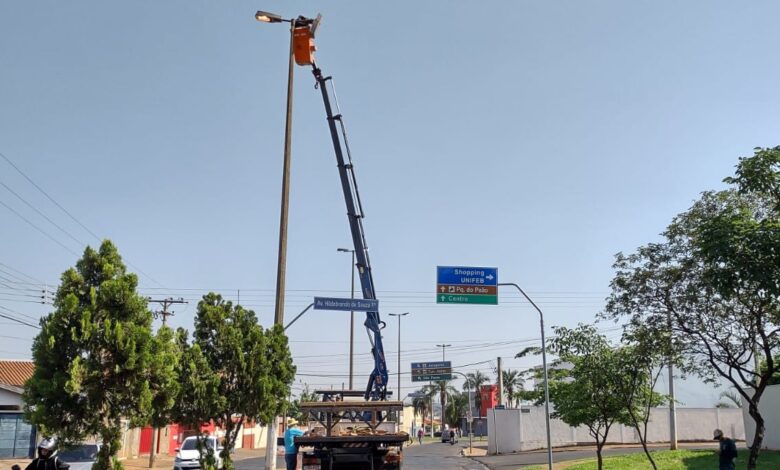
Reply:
x=544 y=365
x=443 y=393
x=399 y=315
x=281 y=266
x=351 y=317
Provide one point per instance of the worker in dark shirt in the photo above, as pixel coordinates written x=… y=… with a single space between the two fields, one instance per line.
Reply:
x=47 y=457
x=727 y=451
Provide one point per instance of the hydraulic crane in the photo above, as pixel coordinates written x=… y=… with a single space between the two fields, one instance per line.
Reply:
x=353 y=434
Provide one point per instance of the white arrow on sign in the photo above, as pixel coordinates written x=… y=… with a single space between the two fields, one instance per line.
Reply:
x=489 y=277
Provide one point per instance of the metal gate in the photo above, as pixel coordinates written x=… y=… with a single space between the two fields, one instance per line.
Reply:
x=17 y=438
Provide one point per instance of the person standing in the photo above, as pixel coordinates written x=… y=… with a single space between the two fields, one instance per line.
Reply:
x=420 y=433
x=727 y=451
x=290 y=449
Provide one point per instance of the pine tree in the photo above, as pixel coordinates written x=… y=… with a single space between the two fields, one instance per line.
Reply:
x=92 y=356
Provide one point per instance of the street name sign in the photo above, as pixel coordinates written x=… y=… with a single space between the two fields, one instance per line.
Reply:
x=349 y=305
x=431 y=371
x=466 y=285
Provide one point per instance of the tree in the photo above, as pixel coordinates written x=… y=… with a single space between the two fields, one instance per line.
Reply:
x=639 y=362
x=294 y=410
x=443 y=389
x=583 y=392
x=163 y=383
x=421 y=404
x=456 y=408
x=247 y=369
x=93 y=356
x=513 y=383
x=474 y=381
x=713 y=282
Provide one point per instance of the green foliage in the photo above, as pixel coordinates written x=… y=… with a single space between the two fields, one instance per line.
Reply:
x=473 y=382
x=234 y=370
x=163 y=376
x=294 y=410
x=457 y=406
x=585 y=390
x=93 y=356
x=713 y=283
x=513 y=384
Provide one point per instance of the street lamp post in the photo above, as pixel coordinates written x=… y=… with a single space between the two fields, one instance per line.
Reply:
x=351 y=319
x=399 y=315
x=442 y=393
x=281 y=266
x=544 y=366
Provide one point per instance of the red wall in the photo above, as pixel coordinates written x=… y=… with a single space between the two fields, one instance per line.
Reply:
x=489 y=396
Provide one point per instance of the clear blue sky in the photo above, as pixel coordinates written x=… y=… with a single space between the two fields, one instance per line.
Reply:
x=538 y=137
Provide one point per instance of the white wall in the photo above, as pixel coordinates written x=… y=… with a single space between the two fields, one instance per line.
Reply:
x=8 y=398
x=769 y=406
x=512 y=430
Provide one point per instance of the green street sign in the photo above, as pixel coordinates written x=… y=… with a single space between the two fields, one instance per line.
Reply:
x=466 y=285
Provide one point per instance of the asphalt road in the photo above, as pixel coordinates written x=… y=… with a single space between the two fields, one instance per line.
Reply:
x=429 y=456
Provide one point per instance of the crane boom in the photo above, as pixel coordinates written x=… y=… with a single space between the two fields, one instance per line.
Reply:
x=376 y=389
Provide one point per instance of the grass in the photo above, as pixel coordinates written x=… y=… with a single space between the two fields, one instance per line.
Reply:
x=674 y=460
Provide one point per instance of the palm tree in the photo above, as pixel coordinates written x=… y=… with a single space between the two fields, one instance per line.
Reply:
x=513 y=383
x=421 y=404
x=444 y=390
x=475 y=380
x=456 y=408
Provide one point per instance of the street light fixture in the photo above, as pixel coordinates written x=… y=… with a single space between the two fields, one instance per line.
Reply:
x=399 y=315
x=281 y=266
x=351 y=318
x=267 y=17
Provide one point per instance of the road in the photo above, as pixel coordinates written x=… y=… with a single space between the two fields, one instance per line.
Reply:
x=438 y=456
x=429 y=456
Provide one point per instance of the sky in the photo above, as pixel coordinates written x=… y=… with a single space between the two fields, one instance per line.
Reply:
x=540 y=138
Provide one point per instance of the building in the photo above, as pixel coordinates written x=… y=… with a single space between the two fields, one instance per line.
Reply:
x=17 y=437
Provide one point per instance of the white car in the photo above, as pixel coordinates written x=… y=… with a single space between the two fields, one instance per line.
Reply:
x=187 y=456
x=79 y=457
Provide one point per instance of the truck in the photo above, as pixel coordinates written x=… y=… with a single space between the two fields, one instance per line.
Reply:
x=351 y=429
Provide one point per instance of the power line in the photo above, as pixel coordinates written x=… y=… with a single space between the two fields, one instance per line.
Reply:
x=42 y=214
x=19 y=321
x=53 y=201
x=38 y=228
x=19 y=272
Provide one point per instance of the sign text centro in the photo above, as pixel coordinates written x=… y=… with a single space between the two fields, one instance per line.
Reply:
x=356 y=305
x=466 y=285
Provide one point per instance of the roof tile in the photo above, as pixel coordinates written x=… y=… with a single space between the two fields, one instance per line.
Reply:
x=15 y=372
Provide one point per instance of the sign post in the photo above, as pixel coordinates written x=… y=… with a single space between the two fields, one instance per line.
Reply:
x=466 y=285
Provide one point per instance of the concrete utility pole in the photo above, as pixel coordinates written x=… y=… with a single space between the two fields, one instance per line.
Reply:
x=351 y=319
x=164 y=313
x=500 y=383
x=399 y=315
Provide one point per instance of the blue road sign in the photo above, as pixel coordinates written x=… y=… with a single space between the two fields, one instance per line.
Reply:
x=465 y=275
x=349 y=305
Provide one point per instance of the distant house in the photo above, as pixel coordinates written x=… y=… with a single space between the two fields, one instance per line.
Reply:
x=17 y=437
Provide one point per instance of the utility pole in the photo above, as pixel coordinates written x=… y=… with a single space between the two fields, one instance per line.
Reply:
x=164 y=313
x=500 y=383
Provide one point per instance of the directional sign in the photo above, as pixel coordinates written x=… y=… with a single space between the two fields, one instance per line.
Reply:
x=355 y=305
x=431 y=371
x=466 y=285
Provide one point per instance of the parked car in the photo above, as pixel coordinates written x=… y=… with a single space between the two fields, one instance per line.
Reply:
x=187 y=456
x=79 y=457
